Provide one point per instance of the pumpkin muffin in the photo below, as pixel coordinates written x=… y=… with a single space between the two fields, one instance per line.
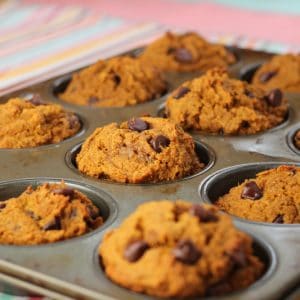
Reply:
x=272 y=196
x=179 y=249
x=47 y=214
x=119 y=81
x=185 y=53
x=34 y=123
x=215 y=103
x=141 y=150
x=282 y=71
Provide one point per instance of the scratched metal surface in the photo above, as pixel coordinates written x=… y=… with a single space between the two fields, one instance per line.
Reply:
x=76 y=260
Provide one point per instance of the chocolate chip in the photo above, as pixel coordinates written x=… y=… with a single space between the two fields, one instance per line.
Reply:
x=37 y=100
x=278 y=219
x=93 y=100
x=238 y=257
x=93 y=213
x=73 y=121
x=135 y=251
x=117 y=79
x=67 y=192
x=264 y=77
x=53 y=225
x=274 y=97
x=2 y=205
x=183 y=55
x=159 y=142
x=251 y=191
x=245 y=124
x=203 y=214
x=249 y=94
x=171 y=50
x=186 y=252
x=180 y=92
x=137 y=124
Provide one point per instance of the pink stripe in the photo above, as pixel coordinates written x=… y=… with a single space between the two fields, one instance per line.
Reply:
x=205 y=17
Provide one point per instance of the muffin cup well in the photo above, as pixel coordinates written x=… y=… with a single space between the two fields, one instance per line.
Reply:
x=220 y=182
x=205 y=154
x=105 y=203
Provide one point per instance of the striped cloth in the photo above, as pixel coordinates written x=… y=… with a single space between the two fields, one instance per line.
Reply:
x=42 y=39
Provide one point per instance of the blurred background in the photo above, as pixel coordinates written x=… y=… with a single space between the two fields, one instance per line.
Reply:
x=41 y=39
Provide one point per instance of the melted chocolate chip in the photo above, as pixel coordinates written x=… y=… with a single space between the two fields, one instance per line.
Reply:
x=180 y=92
x=135 y=251
x=67 y=192
x=278 y=219
x=274 y=98
x=186 y=252
x=117 y=79
x=137 y=124
x=171 y=50
x=264 y=77
x=183 y=55
x=251 y=191
x=37 y=100
x=2 y=205
x=93 y=100
x=203 y=214
x=53 y=225
x=159 y=142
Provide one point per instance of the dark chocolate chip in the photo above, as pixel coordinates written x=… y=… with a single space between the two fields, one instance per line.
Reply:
x=67 y=192
x=252 y=191
x=93 y=213
x=274 y=97
x=53 y=225
x=137 y=124
x=245 y=124
x=183 y=55
x=186 y=252
x=264 y=77
x=117 y=79
x=180 y=92
x=93 y=100
x=2 y=205
x=135 y=251
x=278 y=219
x=249 y=94
x=238 y=257
x=203 y=214
x=36 y=100
x=171 y=50
x=159 y=142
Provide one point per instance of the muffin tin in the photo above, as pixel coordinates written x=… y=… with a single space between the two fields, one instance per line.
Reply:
x=72 y=267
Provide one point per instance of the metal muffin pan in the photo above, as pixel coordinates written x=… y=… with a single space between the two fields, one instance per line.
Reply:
x=74 y=264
